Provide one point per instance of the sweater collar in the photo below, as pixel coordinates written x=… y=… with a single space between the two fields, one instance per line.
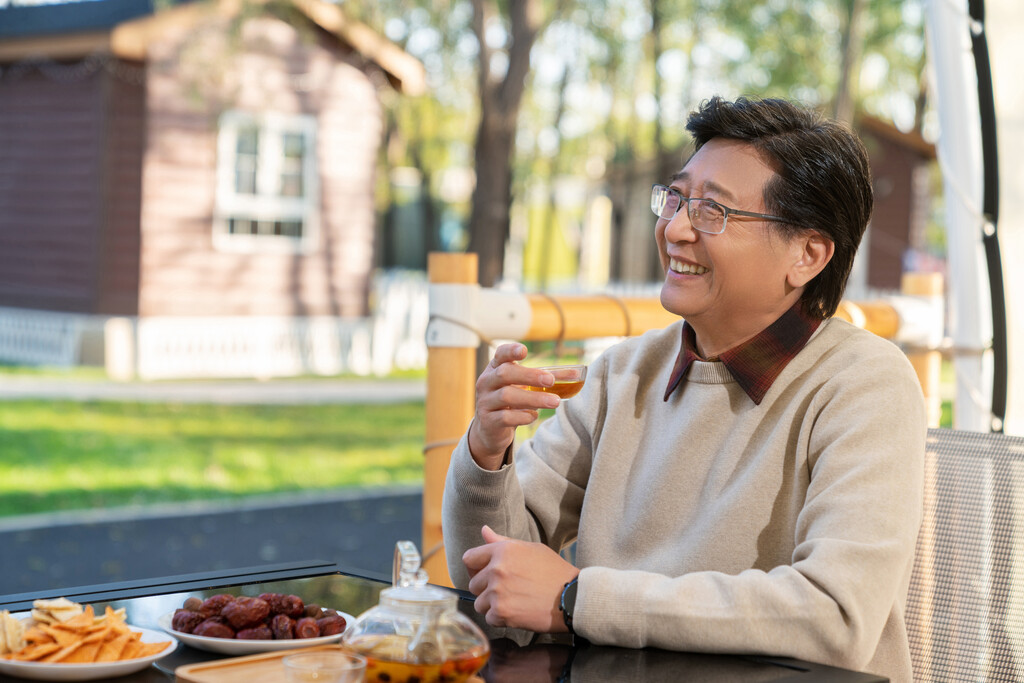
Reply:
x=756 y=363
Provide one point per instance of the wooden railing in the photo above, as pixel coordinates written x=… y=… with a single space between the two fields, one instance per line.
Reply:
x=462 y=315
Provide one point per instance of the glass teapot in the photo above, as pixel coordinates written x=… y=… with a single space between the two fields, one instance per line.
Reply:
x=416 y=633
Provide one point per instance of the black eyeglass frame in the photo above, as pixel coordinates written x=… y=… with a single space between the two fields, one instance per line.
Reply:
x=685 y=201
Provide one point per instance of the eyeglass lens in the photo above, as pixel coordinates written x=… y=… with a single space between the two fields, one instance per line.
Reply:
x=705 y=215
x=664 y=202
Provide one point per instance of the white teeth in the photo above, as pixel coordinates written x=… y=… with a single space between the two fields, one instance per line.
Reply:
x=687 y=268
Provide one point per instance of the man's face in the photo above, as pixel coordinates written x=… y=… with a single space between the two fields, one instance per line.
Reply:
x=732 y=285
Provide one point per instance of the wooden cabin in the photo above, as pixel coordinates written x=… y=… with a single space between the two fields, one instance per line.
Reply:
x=900 y=168
x=215 y=158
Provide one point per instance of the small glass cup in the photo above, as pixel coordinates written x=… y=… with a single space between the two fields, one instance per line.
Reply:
x=569 y=380
x=325 y=667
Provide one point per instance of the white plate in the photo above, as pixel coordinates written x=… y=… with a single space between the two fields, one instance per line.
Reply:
x=227 y=646
x=38 y=671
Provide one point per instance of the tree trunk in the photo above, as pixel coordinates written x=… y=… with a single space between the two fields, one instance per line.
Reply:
x=550 y=222
x=853 y=41
x=492 y=196
x=500 y=99
x=664 y=165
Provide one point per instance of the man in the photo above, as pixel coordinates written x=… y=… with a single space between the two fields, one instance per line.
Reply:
x=749 y=481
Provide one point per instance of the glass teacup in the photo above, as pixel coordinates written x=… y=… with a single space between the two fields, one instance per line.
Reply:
x=569 y=380
x=325 y=667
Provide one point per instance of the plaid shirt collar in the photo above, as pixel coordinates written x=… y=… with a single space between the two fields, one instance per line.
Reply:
x=756 y=363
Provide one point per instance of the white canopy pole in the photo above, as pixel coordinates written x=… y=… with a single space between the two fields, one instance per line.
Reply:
x=954 y=82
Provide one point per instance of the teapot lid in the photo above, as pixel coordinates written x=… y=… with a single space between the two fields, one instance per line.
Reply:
x=409 y=582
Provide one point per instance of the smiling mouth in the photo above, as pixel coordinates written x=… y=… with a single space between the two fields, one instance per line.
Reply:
x=686 y=268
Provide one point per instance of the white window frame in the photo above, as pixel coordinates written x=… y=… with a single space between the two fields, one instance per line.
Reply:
x=267 y=204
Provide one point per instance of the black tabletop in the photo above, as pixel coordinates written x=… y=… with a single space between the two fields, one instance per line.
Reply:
x=515 y=655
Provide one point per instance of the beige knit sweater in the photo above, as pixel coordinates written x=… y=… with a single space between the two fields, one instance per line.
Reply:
x=710 y=524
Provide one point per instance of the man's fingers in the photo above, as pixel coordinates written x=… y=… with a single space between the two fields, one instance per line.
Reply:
x=506 y=418
x=508 y=353
x=481 y=605
x=484 y=606
x=476 y=558
x=477 y=584
x=513 y=373
x=491 y=536
x=513 y=395
x=488 y=605
x=493 y=619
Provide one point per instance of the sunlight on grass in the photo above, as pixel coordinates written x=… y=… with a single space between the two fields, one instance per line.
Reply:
x=66 y=455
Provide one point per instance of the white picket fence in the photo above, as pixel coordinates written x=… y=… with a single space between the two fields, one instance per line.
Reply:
x=391 y=338
x=257 y=346
x=30 y=337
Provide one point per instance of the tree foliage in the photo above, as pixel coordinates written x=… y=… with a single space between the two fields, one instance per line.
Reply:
x=611 y=81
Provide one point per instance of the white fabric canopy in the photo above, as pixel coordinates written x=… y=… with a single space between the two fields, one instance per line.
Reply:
x=955 y=85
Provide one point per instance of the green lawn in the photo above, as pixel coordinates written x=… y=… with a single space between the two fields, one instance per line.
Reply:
x=64 y=455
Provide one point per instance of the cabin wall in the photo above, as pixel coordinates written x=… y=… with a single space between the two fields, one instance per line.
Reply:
x=50 y=211
x=273 y=68
x=117 y=279
x=71 y=137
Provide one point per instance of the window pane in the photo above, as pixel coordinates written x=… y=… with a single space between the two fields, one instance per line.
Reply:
x=290 y=228
x=269 y=163
x=291 y=185
x=245 y=180
x=294 y=146
x=246 y=160
x=248 y=141
x=292 y=165
x=241 y=226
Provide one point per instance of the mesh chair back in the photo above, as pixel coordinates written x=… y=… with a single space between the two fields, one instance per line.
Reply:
x=965 y=608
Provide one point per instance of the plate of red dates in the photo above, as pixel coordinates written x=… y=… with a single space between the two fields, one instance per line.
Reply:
x=242 y=625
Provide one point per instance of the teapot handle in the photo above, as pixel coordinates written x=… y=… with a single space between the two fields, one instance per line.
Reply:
x=406 y=569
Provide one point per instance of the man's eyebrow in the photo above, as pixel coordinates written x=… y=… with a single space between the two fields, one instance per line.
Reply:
x=707 y=186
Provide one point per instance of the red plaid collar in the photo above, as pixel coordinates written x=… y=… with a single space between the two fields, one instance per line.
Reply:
x=756 y=363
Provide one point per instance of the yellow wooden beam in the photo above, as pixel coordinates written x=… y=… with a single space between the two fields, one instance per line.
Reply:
x=583 y=317
x=874 y=316
x=451 y=398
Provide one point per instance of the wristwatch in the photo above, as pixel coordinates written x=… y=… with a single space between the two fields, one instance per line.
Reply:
x=567 y=604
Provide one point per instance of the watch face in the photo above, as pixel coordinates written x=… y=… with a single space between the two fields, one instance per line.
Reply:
x=569 y=597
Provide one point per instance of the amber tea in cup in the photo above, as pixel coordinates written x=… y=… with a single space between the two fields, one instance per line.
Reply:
x=569 y=380
x=325 y=666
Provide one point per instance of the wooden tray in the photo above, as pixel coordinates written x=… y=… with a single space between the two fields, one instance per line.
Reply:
x=261 y=668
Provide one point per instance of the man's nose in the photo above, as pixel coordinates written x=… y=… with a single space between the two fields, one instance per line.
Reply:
x=679 y=227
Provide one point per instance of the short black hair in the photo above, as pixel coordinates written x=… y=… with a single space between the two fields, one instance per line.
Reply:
x=822 y=181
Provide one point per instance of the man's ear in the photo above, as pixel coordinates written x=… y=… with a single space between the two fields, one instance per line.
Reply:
x=813 y=251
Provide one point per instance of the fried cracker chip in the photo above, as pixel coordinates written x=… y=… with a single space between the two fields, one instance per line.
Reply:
x=36 y=634
x=55 y=611
x=12 y=633
x=32 y=653
x=80 y=638
x=62 y=654
x=132 y=649
x=78 y=622
x=61 y=636
x=111 y=613
x=147 y=649
x=86 y=654
x=112 y=649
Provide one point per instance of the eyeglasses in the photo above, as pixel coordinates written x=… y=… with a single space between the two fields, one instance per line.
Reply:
x=706 y=215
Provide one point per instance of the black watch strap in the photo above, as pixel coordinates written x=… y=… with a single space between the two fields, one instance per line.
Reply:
x=567 y=603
